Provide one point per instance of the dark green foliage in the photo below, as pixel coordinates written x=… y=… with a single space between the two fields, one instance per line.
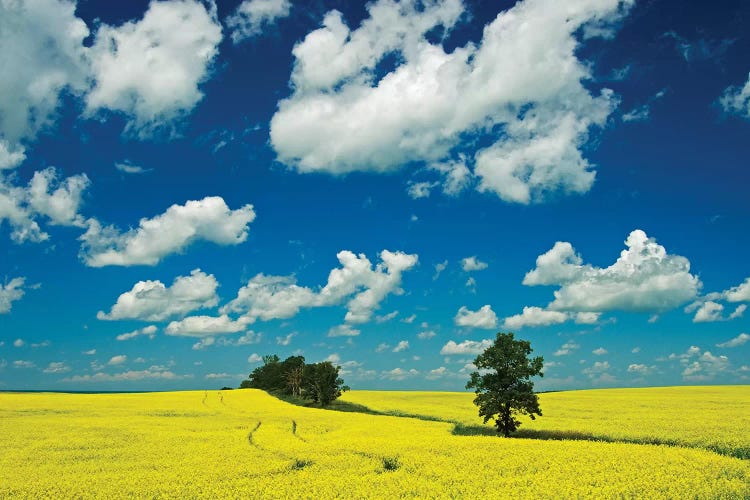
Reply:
x=503 y=387
x=319 y=382
x=391 y=463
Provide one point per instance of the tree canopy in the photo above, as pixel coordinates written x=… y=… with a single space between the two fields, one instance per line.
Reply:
x=502 y=385
x=318 y=382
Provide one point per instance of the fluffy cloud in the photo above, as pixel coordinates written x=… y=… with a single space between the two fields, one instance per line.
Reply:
x=154 y=372
x=535 y=316
x=399 y=374
x=426 y=335
x=10 y=157
x=43 y=50
x=209 y=219
x=469 y=264
x=24 y=364
x=644 y=278
x=401 y=346
x=150 y=69
x=250 y=17
x=254 y=358
x=600 y=351
x=285 y=340
x=148 y=331
x=203 y=326
x=365 y=287
x=11 y=292
x=343 y=331
x=740 y=293
x=153 y=301
x=708 y=311
x=58 y=201
x=466 y=347
x=523 y=77
x=117 y=360
x=737 y=341
x=485 y=317
x=736 y=100
x=57 y=367
x=639 y=369
x=567 y=348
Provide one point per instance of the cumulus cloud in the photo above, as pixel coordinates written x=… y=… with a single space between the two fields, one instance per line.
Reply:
x=209 y=219
x=523 y=77
x=204 y=326
x=470 y=347
x=152 y=373
x=153 y=301
x=535 y=316
x=285 y=340
x=356 y=282
x=19 y=343
x=150 y=70
x=485 y=317
x=343 y=331
x=469 y=264
x=740 y=293
x=399 y=374
x=600 y=351
x=640 y=369
x=10 y=292
x=439 y=268
x=21 y=363
x=737 y=341
x=401 y=346
x=127 y=167
x=43 y=51
x=567 y=348
x=11 y=157
x=57 y=367
x=736 y=100
x=117 y=360
x=56 y=201
x=252 y=16
x=708 y=311
x=644 y=278
x=254 y=358
x=148 y=331
x=426 y=335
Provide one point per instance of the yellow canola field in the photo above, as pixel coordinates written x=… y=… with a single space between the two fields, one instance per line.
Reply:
x=716 y=418
x=246 y=444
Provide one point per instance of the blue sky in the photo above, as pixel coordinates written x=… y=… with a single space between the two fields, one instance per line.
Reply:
x=186 y=186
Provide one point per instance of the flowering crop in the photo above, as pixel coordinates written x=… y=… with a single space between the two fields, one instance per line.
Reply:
x=246 y=444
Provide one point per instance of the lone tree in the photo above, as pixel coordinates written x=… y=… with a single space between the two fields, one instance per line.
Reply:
x=502 y=386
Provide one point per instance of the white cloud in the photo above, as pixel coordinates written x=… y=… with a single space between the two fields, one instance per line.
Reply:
x=254 y=358
x=736 y=100
x=523 y=77
x=117 y=360
x=469 y=264
x=600 y=351
x=567 y=348
x=382 y=347
x=439 y=268
x=44 y=343
x=586 y=318
x=148 y=331
x=279 y=297
x=252 y=16
x=285 y=340
x=153 y=301
x=128 y=168
x=535 y=316
x=639 y=114
x=417 y=190
x=410 y=319
x=705 y=367
x=343 y=331
x=708 y=311
x=154 y=372
x=738 y=312
x=220 y=376
x=10 y=157
x=639 y=369
x=205 y=326
x=401 y=346
x=57 y=367
x=19 y=343
x=58 y=201
x=90 y=352
x=23 y=364
x=644 y=278
x=10 y=292
x=740 y=293
x=399 y=374
x=209 y=219
x=485 y=317
x=386 y=317
x=466 y=347
x=471 y=284
x=150 y=69
x=737 y=341
x=333 y=358
x=437 y=373
x=426 y=335
x=597 y=369
x=42 y=57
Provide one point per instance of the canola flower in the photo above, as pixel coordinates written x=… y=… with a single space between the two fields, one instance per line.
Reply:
x=247 y=444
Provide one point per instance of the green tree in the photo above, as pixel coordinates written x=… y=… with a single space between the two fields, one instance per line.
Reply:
x=503 y=387
x=321 y=382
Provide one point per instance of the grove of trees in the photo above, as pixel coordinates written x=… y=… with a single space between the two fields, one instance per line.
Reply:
x=317 y=382
x=502 y=385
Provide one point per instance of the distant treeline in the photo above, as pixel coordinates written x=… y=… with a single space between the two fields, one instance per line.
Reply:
x=318 y=382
